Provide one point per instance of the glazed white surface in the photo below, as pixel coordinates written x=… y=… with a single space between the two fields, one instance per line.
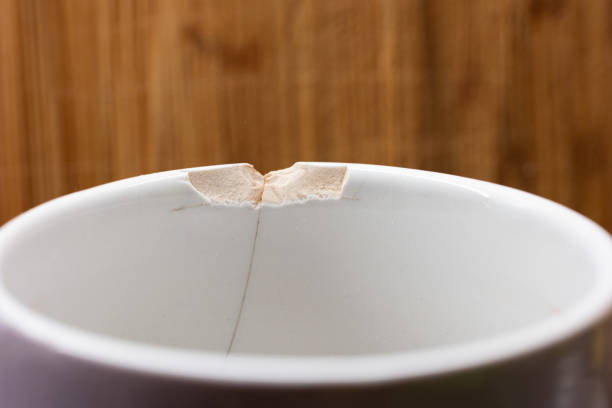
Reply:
x=409 y=273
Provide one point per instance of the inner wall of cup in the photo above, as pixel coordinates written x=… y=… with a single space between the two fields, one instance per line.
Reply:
x=404 y=264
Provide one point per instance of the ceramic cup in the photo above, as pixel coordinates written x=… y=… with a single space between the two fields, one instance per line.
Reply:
x=392 y=287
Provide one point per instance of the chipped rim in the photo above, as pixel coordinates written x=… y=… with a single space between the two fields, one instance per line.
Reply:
x=332 y=370
x=231 y=185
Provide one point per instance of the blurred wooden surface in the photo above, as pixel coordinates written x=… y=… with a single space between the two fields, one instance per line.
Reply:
x=512 y=91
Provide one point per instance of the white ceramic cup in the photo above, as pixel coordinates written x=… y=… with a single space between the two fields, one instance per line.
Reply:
x=410 y=287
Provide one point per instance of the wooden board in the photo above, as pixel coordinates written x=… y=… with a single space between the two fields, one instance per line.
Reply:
x=516 y=92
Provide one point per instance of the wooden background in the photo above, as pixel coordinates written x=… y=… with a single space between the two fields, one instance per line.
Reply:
x=512 y=91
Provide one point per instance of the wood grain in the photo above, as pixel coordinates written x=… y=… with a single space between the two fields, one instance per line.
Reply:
x=512 y=91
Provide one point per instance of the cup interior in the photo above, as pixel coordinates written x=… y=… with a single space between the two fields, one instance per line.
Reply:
x=403 y=261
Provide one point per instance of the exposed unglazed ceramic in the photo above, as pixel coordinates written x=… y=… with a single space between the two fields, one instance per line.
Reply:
x=325 y=284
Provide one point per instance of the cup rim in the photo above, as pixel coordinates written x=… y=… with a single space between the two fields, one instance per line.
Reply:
x=328 y=370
